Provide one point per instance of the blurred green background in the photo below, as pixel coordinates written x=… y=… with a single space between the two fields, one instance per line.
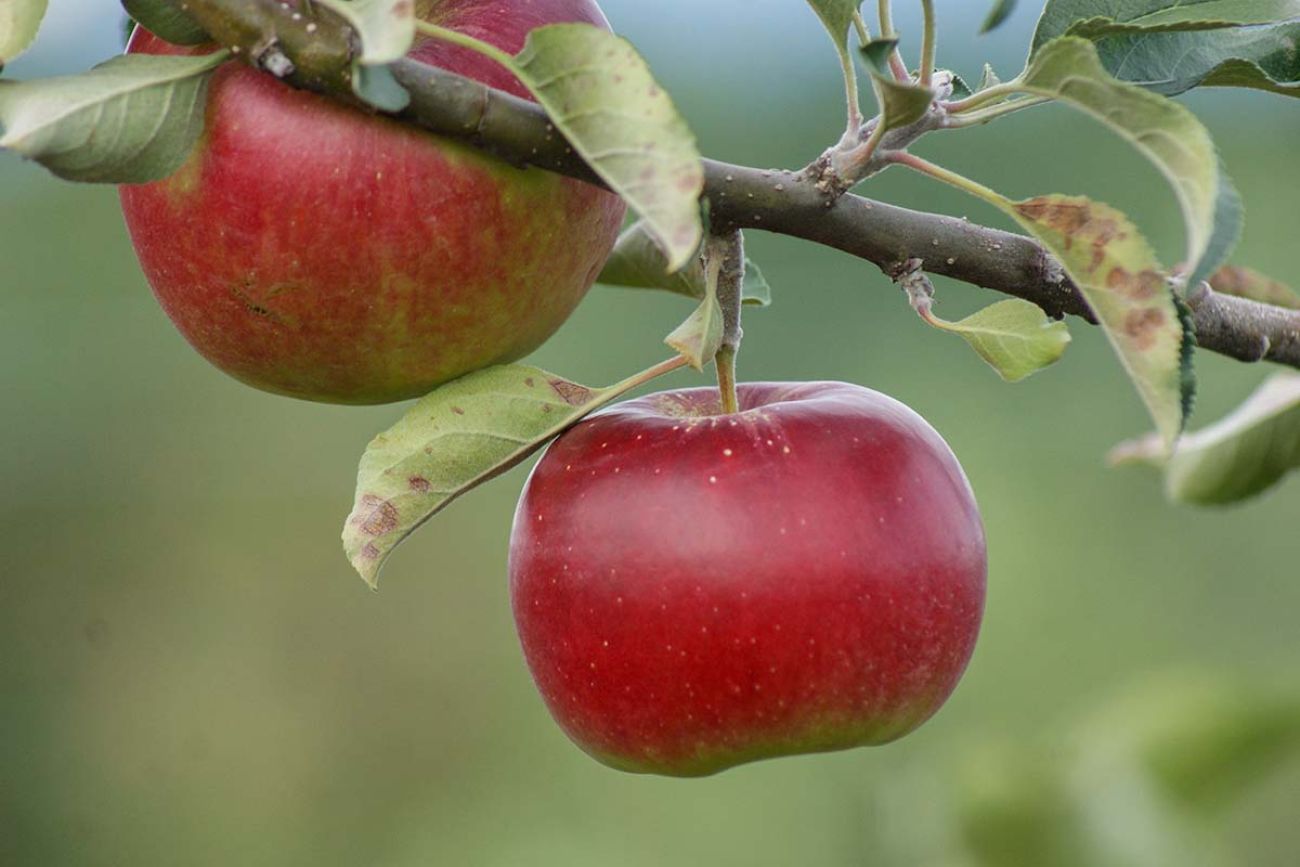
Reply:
x=191 y=674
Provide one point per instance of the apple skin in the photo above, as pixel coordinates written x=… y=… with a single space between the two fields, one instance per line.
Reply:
x=695 y=590
x=311 y=250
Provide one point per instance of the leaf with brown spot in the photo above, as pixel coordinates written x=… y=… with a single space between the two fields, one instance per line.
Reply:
x=1068 y=69
x=1126 y=287
x=460 y=436
x=1234 y=459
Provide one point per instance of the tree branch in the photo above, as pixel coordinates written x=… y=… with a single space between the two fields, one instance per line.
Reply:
x=799 y=204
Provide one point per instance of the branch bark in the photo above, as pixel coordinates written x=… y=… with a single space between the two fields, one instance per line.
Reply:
x=799 y=204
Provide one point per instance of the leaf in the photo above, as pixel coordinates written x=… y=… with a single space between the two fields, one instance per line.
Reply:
x=377 y=86
x=386 y=31
x=602 y=96
x=1170 y=47
x=167 y=20
x=876 y=53
x=837 y=15
x=699 y=338
x=756 y=292
x=385 y=28
x=130 y=120
x=1117 y=272
x=638 y=263
x=1229 y=216
x=1014 y=336
x=463 y=434
x=1095 y=18
x=1238 y=457
x=1169 y=135
x=1259 y=58
x=903 y=103
x=960 y=89
x=988 y=78
x=19 y=22
x=1000 y=12
x=1249 y=283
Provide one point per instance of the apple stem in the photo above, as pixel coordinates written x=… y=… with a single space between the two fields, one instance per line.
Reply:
x=727 y=255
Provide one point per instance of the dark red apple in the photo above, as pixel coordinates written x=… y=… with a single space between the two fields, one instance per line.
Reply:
x=696 y=590
x=315 y=251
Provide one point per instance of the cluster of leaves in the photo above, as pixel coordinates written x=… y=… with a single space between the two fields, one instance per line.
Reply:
x=137 y=118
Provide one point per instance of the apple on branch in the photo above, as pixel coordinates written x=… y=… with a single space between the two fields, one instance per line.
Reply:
x=313 y=250
x=695 y=589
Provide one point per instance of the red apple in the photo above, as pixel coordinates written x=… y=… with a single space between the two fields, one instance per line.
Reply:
x=696 y=590
x=316 y=251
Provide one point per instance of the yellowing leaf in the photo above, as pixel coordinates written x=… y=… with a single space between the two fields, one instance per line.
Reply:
x=463 y=434
x=1237 y=458
x=19 y=21
x=1169 y=135
x=1116 y=270
x=1014 y=336
x=602 y=96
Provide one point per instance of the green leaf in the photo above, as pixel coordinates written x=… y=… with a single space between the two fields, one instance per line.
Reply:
x=463 y=434
x=1259 y=58
x=699 y=338
x=1237 y=458
x=638 y=263
x=1096 y=18
x=1170 y=47
x=1000 y=12
x=131 y=120
x=1116 y=270
x=837 y=15
x=1169 y=135
x=988 y=78
x=876 y=53
x=1229 y=217
x=601 y=95
x=903 y=103
x=19 y=21
x=1014 y=336
x=377 y=86
x=756 y=292
x=1249 y=283
x=167 y=20
x=960 y=89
